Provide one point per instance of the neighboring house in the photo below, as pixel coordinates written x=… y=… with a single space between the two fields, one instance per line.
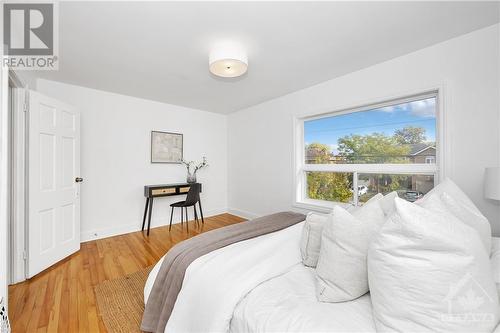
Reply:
x=422 y=153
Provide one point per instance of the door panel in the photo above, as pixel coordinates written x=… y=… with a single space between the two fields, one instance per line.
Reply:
x=54 y=200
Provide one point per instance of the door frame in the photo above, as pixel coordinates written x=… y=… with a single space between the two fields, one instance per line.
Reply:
x=18 y=205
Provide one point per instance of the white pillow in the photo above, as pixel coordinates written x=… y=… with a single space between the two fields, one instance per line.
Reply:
x=448 y=186
x=341 y=270
x=387 y=203
x=310 y=241
x=448 y=196
x=428 y=271
x=495 y=259
x=351 y=209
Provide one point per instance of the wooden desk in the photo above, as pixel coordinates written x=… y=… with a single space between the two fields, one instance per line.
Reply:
x=163 y=190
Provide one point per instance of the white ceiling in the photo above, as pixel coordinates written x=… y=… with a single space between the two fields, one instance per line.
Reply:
x=159 y=50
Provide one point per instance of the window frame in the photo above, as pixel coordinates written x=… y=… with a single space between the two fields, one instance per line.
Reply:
x=300 y=199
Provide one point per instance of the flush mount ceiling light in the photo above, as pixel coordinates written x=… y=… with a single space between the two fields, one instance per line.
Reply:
x=228 y=60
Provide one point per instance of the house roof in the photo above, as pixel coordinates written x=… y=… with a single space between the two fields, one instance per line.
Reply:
x=420 y=147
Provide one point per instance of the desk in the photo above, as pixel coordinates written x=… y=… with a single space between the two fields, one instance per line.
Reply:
x=163 y=190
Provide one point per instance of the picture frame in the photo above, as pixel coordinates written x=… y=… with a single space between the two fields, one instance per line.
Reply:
x=166 y=147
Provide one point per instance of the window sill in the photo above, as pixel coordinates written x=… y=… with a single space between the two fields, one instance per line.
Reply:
x=320 y=206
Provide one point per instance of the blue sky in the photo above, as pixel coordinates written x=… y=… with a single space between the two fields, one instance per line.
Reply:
x=385 y=120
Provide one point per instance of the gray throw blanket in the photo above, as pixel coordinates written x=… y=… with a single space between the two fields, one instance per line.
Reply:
x=168 y=282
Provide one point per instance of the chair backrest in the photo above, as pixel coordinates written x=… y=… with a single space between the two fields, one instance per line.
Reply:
x=193 y=195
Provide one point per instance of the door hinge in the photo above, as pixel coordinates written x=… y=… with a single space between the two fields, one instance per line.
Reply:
x=25 y=255
x=25 y=107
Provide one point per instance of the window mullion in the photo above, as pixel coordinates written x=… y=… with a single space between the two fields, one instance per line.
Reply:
x=374 y=168
x=355 y=198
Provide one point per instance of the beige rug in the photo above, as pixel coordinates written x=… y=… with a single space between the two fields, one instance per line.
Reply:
x=120 y=302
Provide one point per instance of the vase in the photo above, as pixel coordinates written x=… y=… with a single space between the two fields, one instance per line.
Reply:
x=191 y=178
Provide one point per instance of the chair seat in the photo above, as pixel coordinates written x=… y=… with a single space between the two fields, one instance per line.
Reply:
x=178 y=204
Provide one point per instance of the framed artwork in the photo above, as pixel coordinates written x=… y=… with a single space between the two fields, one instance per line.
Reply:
x=166 y=147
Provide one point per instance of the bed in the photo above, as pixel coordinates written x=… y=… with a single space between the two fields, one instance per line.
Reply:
x=261 y=285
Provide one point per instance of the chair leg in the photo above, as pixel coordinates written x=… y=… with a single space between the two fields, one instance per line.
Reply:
x=201 y=212
x=145 y=214
x=187 y=221
x=196 y=215
x=171 y=216
x=182 y=216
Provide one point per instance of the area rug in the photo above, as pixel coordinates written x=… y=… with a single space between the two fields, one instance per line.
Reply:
x=120 y=301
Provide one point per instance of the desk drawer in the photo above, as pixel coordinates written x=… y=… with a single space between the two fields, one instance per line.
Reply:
x=184 y=189
x=162 y=191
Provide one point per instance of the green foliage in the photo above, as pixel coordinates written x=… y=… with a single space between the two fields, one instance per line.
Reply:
x=383 y=183
x=410 y=135
x=329 y=186
x=326 y=185
x=360 y=149
x=372 y=148
x=318 y=153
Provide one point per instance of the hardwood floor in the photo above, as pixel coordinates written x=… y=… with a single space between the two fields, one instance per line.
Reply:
x=61 y=298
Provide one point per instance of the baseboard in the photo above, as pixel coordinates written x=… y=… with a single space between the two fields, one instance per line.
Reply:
x=100 y=233
x=243 y=213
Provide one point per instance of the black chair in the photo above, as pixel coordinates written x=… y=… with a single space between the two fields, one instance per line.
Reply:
x=193 y=198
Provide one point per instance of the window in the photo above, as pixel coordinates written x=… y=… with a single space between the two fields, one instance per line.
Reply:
x=380 y=148
x=430 y=159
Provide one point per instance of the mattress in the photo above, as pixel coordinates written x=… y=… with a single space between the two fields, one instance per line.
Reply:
x=288 y=303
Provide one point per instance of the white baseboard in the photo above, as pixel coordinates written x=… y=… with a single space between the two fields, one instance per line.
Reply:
x=100 y=233
x=243 y=213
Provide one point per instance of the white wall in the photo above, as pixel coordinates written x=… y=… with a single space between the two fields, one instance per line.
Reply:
x=260 y=140
x=115 y=157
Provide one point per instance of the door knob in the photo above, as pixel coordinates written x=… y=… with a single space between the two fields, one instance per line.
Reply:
x=78 y=180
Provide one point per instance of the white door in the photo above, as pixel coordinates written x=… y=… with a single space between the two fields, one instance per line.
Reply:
x=54 y=168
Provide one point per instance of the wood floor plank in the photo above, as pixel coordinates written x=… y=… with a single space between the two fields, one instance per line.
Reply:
x=62 y=299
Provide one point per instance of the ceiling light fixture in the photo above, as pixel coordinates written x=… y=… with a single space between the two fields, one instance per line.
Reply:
x=228 y=60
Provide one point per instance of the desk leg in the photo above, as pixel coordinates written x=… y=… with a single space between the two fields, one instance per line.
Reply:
x=201 y=212
x=145 y=214
x=150 y=213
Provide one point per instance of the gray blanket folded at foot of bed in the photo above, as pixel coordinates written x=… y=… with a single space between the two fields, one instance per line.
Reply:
x=168 y=283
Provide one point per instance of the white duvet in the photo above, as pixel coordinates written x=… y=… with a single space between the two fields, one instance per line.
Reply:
x=259 y=285
x=288 y=303
x=215 y=283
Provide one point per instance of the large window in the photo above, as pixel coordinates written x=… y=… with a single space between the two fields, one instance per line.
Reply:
x=351 y=155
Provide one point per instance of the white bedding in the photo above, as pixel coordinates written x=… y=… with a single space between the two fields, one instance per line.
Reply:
x=271 y=295
x=288 y=303
x=216 y=282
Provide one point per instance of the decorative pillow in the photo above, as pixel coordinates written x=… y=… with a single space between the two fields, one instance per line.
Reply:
x=341 y=270
x=387 y=202
x=351 y=209
x=448 y=197
x=428 y=271
x=310 y=241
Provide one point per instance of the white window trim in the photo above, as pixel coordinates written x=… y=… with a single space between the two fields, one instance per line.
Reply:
x=438 y=170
